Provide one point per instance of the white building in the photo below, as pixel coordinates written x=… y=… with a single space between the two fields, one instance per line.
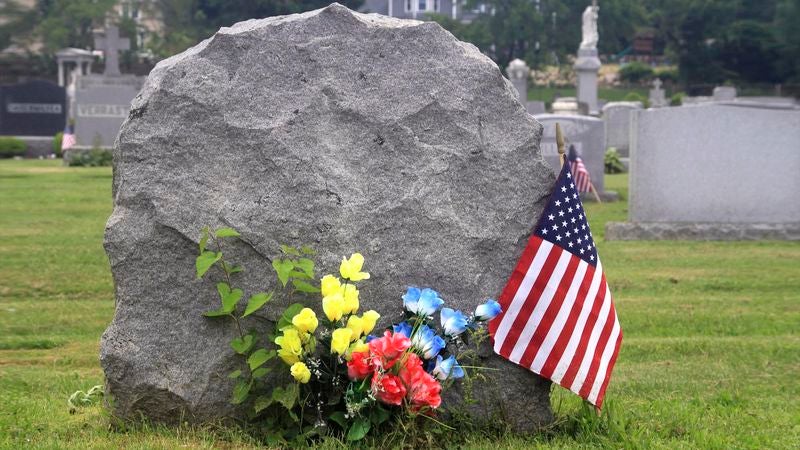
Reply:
x=418 y=9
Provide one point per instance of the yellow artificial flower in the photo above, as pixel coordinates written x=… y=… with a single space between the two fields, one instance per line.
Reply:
x=288 y=357
x=290 y=346
x=340 y=340
x=350 y=269
x=305 y=321
x=330 y=285
x=300 y=372
x=359 y=346
x=350 y=299
x=356 y=325
x=333 y=306
x=369 y=319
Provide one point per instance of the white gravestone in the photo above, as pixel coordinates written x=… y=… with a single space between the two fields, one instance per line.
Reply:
x=102 y=101
x=713 y=172
x=585 y=133
x=617 y=120
x=657 y=97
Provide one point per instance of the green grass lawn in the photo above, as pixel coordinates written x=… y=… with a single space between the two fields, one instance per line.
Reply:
x=710 y=359
x=548 y=94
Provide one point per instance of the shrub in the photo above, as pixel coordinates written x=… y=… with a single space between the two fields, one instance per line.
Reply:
x=11 y=147
x=676 y=99
x=57 y=143
x=667 y=75
x=635 y=72
x=613 y=163
x=636 y=97
x=95 y=157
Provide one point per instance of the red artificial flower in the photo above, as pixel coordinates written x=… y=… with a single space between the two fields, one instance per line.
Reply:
x=359 y=366
x=388 y=388
x=422 y=389
x=388 y=349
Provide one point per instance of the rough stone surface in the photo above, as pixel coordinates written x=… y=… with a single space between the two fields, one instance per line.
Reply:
x=654 y=231
x=341 y=130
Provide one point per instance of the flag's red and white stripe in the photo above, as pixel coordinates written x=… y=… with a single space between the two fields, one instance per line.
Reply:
x=559 y=320
x=67 y=141
x=582 y=180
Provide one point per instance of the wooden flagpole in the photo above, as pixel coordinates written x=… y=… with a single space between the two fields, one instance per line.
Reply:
x=560 y=144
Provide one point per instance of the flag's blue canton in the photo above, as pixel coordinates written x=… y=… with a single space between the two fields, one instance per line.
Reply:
x=564 y=221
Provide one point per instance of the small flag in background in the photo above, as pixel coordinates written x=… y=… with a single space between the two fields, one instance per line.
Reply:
x=558 y=317
x=583 y=182
x=68 y=138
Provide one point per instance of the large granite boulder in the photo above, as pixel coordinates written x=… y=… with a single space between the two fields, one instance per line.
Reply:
x=346 y=131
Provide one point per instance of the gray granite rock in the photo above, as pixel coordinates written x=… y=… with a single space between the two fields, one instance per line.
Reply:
x=336 y=129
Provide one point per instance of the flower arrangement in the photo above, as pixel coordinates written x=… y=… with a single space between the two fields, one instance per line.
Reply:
x=344 y=374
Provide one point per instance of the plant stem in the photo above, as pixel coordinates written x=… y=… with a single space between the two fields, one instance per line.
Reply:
x=218 y=243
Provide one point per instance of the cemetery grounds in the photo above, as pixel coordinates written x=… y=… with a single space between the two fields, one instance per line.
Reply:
x=710 y=357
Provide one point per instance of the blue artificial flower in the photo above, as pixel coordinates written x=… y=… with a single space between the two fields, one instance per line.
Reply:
x=425 y=302
x=369 y=338
x=402 y=328
x=427 y=342
x=447 y=368
x=488 y=310
x=453 y=322
x=411 y=299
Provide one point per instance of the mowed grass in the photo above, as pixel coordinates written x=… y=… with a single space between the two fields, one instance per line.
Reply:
x=710 y=358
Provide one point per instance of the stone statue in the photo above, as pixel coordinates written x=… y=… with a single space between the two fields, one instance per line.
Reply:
x=590 y=36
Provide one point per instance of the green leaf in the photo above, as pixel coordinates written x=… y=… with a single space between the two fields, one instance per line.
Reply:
x=289 y=250
x=229 y=297
x=241 y=390
x=289 y=313
x=262 y=402
x=286 y=396
x=256 y=302
x=339 y=418
x=258 y=358
x=358 y=429
x=244 y=344
x=203 y=239
x=298 y=274
x=235 y=269
x=205 y=261
x=306 y=250
x=283 y=267
x=306 y=265
x=260 y=372
x=302 y=286
x=378 y=415
x=226 y=232
x=217 y=313
x=235 y=374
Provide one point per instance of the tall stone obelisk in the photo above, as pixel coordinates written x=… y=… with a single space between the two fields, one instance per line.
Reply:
x=588 y=64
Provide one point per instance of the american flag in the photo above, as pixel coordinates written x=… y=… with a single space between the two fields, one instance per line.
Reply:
x=558 y=317
x=583 y=182
x=68 y=138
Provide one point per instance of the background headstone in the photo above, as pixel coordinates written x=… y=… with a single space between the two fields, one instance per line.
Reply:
x=617 y=120
x=331 y=128
x=724 y=93
x=35 y=108
x=713 y=172
x=101 y=105
x=587 y=134
x=657 y=96
x=102 y=101
x=518 y=73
